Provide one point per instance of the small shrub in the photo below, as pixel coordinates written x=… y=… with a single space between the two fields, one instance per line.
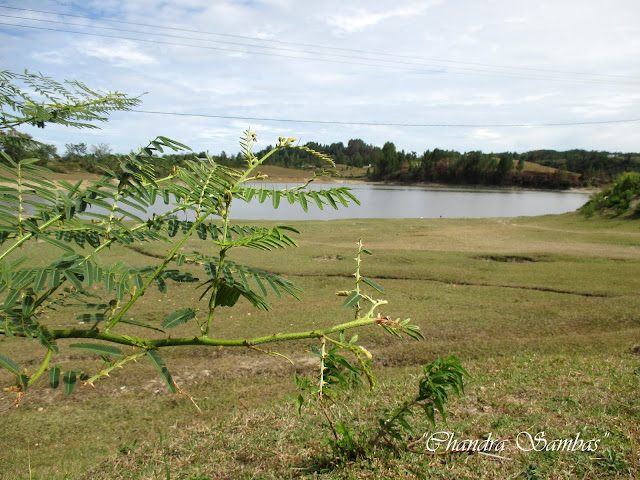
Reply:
x=618 y=198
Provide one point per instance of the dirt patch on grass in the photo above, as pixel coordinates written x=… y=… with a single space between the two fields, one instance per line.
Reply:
x=506 y=258
x=328 y=258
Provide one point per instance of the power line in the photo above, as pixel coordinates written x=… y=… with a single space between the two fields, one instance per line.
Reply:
x=308 y=45
x=388 y=124
x=510 y=74
x=196 y=38
x=296 y=57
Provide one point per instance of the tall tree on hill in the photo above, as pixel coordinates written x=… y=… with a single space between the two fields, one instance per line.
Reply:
x=386 y=164
x=505 y=168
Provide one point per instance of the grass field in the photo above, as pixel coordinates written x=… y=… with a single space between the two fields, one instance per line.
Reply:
x=544 y=313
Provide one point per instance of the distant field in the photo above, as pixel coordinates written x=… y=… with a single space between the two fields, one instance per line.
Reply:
x=542 y=311
x=536 y=167
x=281 y=174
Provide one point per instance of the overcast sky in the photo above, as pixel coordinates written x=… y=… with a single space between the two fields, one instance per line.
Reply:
x=481 y=64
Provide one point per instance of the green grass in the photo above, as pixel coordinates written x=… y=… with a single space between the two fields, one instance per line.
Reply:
x=542 y=311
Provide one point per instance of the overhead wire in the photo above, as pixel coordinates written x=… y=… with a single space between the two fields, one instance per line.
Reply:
x=333 y=60
x=296 y=57
x=461 y=70
x=191 y=30
x=389 y=124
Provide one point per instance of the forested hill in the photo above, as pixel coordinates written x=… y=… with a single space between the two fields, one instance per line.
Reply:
x=539 y=168
x=565 y=169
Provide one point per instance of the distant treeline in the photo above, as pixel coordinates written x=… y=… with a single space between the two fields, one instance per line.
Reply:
x=572 y=167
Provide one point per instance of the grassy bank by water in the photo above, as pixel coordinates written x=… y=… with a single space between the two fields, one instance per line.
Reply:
x=544 y=312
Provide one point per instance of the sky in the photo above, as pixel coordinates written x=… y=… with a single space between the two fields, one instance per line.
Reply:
x=465 y=75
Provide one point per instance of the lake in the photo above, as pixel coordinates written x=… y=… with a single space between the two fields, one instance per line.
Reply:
x=384 y=201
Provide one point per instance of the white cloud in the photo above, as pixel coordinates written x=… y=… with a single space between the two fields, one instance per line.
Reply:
x=485 y=134
x=476 y=63
x=610 y=105
x=119 y=53
x=51 y=56
x=357 y=19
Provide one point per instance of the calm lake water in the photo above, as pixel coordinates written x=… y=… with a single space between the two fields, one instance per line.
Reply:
x=381 y=201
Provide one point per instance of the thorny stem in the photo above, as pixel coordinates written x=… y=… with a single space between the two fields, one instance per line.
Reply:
x=245 y=175
x=112 y=213
x=202 y=191
x=272 y=354
x=214 y=293
x=152 y=344
x=329 y=421
x=358 y=277
x=182 y=392
x=323 y=339
x=118 y=364
x=20 y=207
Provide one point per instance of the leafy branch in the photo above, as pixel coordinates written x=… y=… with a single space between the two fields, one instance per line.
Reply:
x=59 y=213
x=70 y=104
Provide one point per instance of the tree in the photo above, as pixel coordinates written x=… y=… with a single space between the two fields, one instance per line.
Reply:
x=74 y=150
x=20 y=145
x=505 y=168
x=101 y=150
x=386 y=163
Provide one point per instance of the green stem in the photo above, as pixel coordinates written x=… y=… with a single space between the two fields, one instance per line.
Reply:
x=358 y=277
x=106 y=244
x=251 y=168
x=118 y=364
x=384 y=428
x=158 y=271
x=214 y=293
x=323 y=355
x=20 y=207
x=151 y=344
x=202 y=192
x=225 y=228
x=42 y=369
x=28 y=236
x=114 y=205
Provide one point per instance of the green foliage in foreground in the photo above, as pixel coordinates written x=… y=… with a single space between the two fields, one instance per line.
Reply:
x=619 y=198
x=81 y=221
x=34 y=208
x=37 y=100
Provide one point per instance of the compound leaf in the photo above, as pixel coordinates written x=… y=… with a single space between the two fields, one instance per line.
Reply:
x=158 y=362
x=178 y=317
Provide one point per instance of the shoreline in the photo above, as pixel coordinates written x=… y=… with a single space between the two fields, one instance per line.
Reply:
x=87 y=177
